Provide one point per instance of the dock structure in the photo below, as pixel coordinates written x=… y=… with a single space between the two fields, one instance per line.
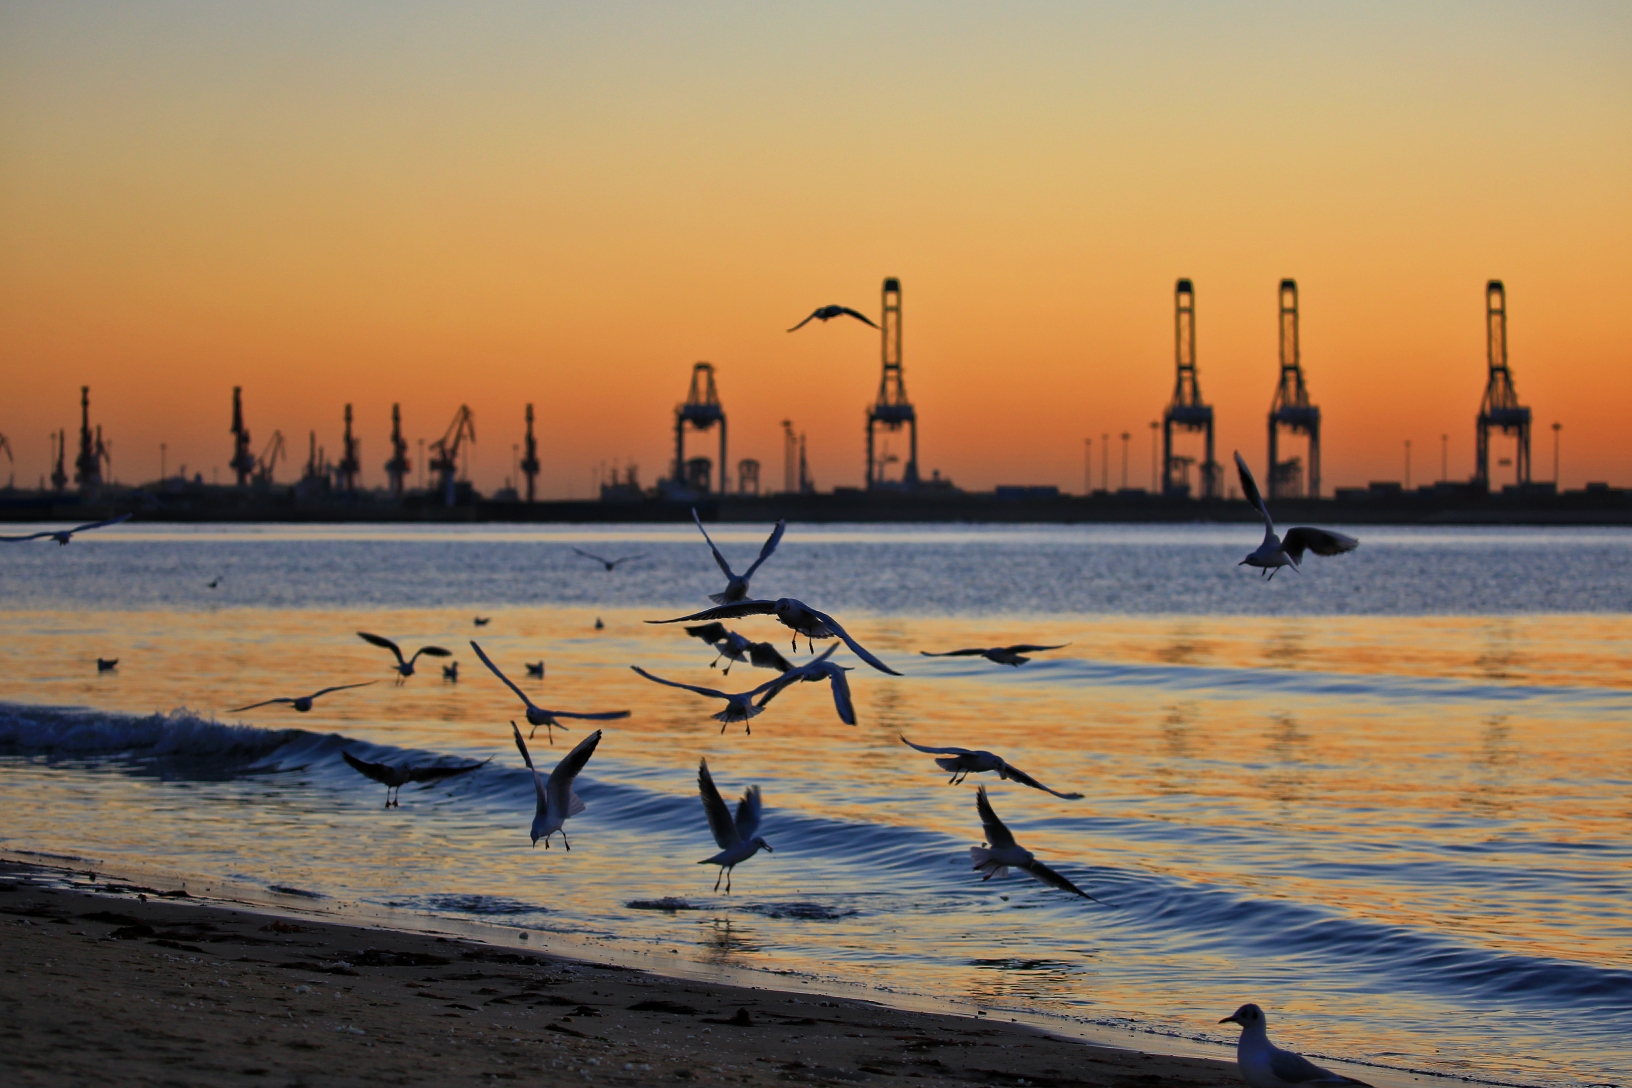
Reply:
x=1187 y=411
x=701 y=411
x=1500 y=409
x=892 y=409
x=1292 y=478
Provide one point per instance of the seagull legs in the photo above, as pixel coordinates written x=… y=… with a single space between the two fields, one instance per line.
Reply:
x=719 y=878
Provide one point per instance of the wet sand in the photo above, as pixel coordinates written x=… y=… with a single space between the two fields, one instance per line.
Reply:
x=131 y=988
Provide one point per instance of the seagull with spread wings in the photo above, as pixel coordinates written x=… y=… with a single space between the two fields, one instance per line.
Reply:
x=537 y=715
x=303 y=703
x=1277 y=552
x=63 y=536
x=828 y=313
x=738 y=839
x=1265 y=1065
x=736 y=585
x=404 y=667
x=394 y=778
x=556 y=799
x=963 y=762
x=814 y=672
x=797 y=616
x=735 y=648
x=739 y=707
x=609 y=564
x=1002 y=655
x=1002 y=853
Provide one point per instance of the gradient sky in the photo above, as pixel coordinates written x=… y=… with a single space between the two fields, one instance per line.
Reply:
x=570 y=204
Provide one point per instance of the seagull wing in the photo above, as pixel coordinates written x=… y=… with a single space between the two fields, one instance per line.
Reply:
x=436 y=774
x=1049 y=876
x=1319 y=541
x=20 y=539
x=953 y=653
x=338 y=687
x=765 y=656
x=727 y=612
x=379 y=772
x=718 y=558
x=589 y=555
x=708 y=632
x=749 y=810
x=430 y=651
x=494 y=669
x=1028 y=648
x=936 y=751
x=841 y=695
x=1249 y=488
x=770 y=546
x=719 y=816
x=1296 y=1069
x=857 y=315
x=99 y=524
x=559 y=788
x=269 y=702
x=628 y=558
x=1025 y=779
x=711 y=692
x=813 y=315
x=599 y=716
x=996 y=833
x=377 y=640
x=857 y=648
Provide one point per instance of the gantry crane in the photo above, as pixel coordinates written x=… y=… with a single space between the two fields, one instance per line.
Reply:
x=529 y=463
x=396 y=469
x=1291 y=409
x=445 y=452
x=702 y=410
x=892 y=409
x=243 y=461
x=1500 y=407
x=345 y=473
x=1187 y=411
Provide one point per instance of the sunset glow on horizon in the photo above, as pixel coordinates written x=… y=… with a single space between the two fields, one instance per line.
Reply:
x=570 y=205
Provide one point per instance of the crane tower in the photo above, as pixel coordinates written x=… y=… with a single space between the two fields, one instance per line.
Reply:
x=892 y=409
x=397 y=468
x=529 y=463
x=445 y=462
x=92 y=452
x=1500 y=408
x=702 y=410
x=1291 y=409
x=345 y=473
x=243 y=461
x=1186 y=411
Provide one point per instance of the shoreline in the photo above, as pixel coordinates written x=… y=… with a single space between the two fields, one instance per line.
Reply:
x=131 y=957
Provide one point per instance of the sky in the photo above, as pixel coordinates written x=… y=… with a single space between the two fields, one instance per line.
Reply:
x=491 y=205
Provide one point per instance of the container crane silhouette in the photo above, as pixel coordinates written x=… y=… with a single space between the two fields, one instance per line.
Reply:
x=1187 y=411
x=93 y=452
x=702 y=410
x=396 y=469
x=445 y=452
x=1500 y=407
x=1291 y=409
x=243 y=461
x=529 y=463
x=892 y=409
x=267 y=463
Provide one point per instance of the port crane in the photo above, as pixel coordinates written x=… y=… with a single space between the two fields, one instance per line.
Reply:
x=445 y=451
x=397 y=468
x=243 y=461
x=345 y=473
x=529 y=463
x=267 y=463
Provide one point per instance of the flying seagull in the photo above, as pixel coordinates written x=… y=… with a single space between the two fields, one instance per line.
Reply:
x=814 y=672
x=827 y=313
x=537 y=715
x=736 y=586
x=963 y=762
x=1004 y=853
x=795 y=615
x=1275 y=552
x=63 y=536
x=1265 y=1065
x=304 y=702
x=738 y=839
x=738 y=707
x=394 y=778
x=609 y=564
x=556 y=799
x=481 y=621
x=735 y=648
x=214 y=582
x=1002 y=655
x=405 y=669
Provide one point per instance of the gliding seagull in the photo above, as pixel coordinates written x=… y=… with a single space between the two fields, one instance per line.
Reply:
x=1002 y=655
x=537 y=715
x=738 y=708
x=814 y=672
x=1004 y=853
x=1265 y=1065
x=827 y=313
x=736 y=586
x=556 y=799
x=737 y=647
x=609 y=564
x=394 y=778
x=738 y=839
x=795 y=615
x=63 y=536
x=303 y=703
x=405 y=669
x=1275 y=552
x=963 y=762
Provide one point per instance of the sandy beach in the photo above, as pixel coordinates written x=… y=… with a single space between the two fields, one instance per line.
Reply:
x=129 y=987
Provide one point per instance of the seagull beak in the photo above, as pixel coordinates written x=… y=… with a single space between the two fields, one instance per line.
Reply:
x=1230 y=1020
x=768 y=848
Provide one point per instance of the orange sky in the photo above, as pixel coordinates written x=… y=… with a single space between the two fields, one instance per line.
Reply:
x=569 y=205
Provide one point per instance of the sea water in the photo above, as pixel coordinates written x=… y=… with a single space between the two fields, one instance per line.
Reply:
x=1387 y=797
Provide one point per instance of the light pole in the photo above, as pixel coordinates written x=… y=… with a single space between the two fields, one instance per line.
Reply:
x=1444 y=457
x=1408 y=464
x=1104 y=462
x=1153 y=426
x=1125 y=437
x=1556 y=428
x=1087 y=466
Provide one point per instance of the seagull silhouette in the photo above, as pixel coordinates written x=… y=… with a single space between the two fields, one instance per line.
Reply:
x=1002 y=655
x=1265 y=1065
x=63 y=536
x=537 y=715
x=394 y=778
x=106 y=664
x=797 y=616
x=963 y=762
x=451 y=672
x=405 y=668
x=814 y=672
x=827 y=313
x=738 y=839
x=739 y=707
x=609 y=564
x=556 y=799
x=736 y=585
x=303 y=703
x=216 y=581
x=481 y=621
x=535 y=670
x=1002 y=853
x=1275 y=553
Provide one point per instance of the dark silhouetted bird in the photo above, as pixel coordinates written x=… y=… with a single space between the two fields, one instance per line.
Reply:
x=1002 y=655
x=1275 y=552
x=63 y=536
x=301 y=703
x=828 y=313
x=394 y=778
x=404 y=667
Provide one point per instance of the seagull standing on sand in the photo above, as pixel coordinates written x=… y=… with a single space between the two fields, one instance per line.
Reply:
x=609 y=564
x=1002 y=655
x=405 y=668
x=739 y=707
x=1275 y=553
x=556 y=799
x=537 y=715
x=1003 y=853
x=302 y=703
x=738 y=839
x=394 y=778
x=828 y=313
x=814 y=672
x=736 y=586
x=797 y=616
x=63 y=536
x=963 y=762
x=1265 y=1065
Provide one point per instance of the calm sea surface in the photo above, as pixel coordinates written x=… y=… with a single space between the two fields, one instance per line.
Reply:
x=1389 y=798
